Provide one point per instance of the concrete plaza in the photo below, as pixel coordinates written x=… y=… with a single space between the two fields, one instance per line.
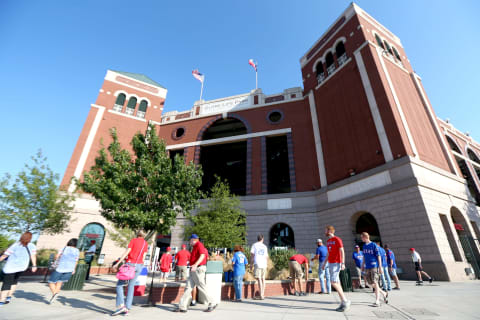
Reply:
x=440 y=300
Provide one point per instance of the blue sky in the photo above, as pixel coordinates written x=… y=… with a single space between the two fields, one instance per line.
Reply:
x=54 y=56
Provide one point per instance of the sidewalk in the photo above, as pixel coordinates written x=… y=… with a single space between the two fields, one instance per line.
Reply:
x=440 y=300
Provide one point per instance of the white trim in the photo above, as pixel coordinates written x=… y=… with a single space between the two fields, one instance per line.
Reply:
x=130 y=95
x=435 y=123
x=229 y=139
x=341 y=39
x=110 y=76
x=88 y=145
x=120 y=91
x=372 y=103
x=127 y=115
x=322 y=172
x=466 y=159
x=146 y=99
x=397 y=103
x=331 y=49
x=333 y=73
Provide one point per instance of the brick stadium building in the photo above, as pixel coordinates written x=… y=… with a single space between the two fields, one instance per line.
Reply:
x=359 y=147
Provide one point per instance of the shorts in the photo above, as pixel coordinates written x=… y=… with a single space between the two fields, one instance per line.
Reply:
x=259 y=272
x=393 y=272
x=181 y=272
x=10 y=279
x=418 y=267
x=372 y=276
x=295 y=269
x=164 y=274
x=56 y=276
x=334 y=269
x=358 y=272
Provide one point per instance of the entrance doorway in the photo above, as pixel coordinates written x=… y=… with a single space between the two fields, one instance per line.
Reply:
x=91 y=232
x=281 y=235
x=366 y=222
x=466 y=239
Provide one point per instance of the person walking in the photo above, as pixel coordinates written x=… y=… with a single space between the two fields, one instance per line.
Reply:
x=295 y=267
x=392 y=266
x=336 y=263
x=166 y=265
x=89 y=256
x=259 y=255
x=372 y=264
x=19 y=256
x=135 y=254
x=323 y=273
x=181 y=261
x=198 y=262
x=66 y=263
x=417 y=260
x=357 y=256
x=385 y=275
x=239 y=262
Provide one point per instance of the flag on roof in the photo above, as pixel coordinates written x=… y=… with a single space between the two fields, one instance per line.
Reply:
x=197 y=75
x=253 y=64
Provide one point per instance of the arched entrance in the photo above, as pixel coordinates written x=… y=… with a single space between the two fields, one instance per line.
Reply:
x=226 y=160
x=281 y=235
x=366 y=222
x=466 y=239
x=92 y=231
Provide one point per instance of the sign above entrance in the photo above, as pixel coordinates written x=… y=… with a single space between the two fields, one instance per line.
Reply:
x=224 y=105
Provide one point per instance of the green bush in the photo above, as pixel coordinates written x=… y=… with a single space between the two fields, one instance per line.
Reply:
x=5 y=242
x=281 y=257
x=43 y=255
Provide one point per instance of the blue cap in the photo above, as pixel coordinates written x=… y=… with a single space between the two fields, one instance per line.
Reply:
x=194 y=236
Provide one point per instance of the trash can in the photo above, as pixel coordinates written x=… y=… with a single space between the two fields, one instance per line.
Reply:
x=213 y=281
x=346 y=280
x=77 y=279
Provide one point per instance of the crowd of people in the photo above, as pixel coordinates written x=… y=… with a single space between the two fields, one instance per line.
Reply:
x=374 y=264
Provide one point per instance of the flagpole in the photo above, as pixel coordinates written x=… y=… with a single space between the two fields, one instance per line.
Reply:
x=256 y=78
x=201 y=90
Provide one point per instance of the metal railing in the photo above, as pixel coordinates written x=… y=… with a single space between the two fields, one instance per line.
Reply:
x=320 y=77
x=342 y=59
x=141 y=114
x=129 y=111
x=117 y=107
x=331 y=69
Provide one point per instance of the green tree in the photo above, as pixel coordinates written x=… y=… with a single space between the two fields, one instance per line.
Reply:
x=31 y=201
x=220 y=222
x=121 y=236
x=5 y=242
x=142 y=190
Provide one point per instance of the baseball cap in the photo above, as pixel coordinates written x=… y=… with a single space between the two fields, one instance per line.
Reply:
x=357 y=246
x=184 y=246
x=194 y=236
x=169 y=249
x=319 y=240
x=412 y=249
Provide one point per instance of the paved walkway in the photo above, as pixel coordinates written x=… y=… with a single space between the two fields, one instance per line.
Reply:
x=441 y=300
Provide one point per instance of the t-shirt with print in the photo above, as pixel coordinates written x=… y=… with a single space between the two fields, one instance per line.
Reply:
x=182 y=258
x=197 y=250
x=239 y=261
x=321 y=253
x=165 y=262
x=334 y=244
x=261 y=254
x=18 y=257
x=391 y=258
x=371 y=253
x=300 y=258
x=136 y=253
x=358 y=258
x=416 y=256
x=68 y=259
x=383 y=255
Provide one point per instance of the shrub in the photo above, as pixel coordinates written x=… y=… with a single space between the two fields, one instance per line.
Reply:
x=5 y=242
x=280 y=257
x=43 y=255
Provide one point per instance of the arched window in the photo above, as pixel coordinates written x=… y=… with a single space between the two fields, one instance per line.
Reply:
x=466 y=239
x=475 y=159
x=387 y=46
x=132 y=103
x=366 y=223
x=119 y=102
x=379 y=41
x=396 y=54
x=330 y=63
x=92 y=232
x=142 y=108
x=224 y=128
x=281 y=235
x=341 y=54
x=320 y=72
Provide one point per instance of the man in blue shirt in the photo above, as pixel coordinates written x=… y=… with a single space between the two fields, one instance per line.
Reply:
x=385 y=276
x=358 y=258
x=323 y=274
x=372 y=265
x=392 y=265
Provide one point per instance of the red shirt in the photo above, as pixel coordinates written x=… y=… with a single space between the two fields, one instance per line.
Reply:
x=334 y=244
x=300 y=258
x=182 y=258
x=197 y=250
x=165 y=262
x=136 y=253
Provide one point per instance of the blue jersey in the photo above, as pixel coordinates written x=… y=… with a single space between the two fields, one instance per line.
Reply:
x=322 y=252
x=391 y=258
x=358 y=258
x=239 y=261
x=383 y=255
x=370 y=254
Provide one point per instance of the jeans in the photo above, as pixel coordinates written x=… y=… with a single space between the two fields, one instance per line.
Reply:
x=238 y=284
x=322 y=274
x=130 y=285
x=386 y=281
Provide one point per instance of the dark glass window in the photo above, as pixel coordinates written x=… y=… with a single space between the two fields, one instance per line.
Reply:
x=225 y=128
x=281 y=235
x=278 y=169
x=275 y=116
x=120 y=99
x=340 y=49
x=132 y=103
x=143 y=106
x=319 y=68
x=329 y=60
x=389 y=49
x=379 y=41
x=396 y=53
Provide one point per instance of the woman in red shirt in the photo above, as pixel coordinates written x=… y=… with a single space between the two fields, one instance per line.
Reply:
x=166 y=265
x=135 y=254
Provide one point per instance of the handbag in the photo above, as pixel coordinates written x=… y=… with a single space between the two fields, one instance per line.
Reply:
x=55 y=263
x=127 y=271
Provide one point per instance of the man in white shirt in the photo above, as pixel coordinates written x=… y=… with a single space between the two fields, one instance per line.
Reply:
x=259 y=257
x=417 y=260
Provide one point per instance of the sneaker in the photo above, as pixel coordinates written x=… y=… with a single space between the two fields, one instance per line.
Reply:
x=361 y=287
x=193 y=303
x=297 y=294
x=303 y=293
x=419 y=283
x=340 y=308
x=211 y=308
x=367 y=287
x=346 y=305
x=120 y=310
x=53 y=298
x=396 y=288
x=2 y=304
x=375 y=304
x=7 y=301
x=180 y=310
x=385 y=298
x=430 y=280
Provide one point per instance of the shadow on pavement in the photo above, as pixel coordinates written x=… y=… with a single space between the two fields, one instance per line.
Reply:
x=81 y=304
x=287 y=306
x=32 y=296
x=102 y=296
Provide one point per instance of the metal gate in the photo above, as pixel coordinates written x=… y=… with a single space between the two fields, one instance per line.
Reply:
x=471 y=253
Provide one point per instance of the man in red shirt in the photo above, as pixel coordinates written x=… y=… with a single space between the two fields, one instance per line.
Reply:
x=295 y=266
x=166 y=265
x=336 y=262
x=198 y=268
x=181 y=261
